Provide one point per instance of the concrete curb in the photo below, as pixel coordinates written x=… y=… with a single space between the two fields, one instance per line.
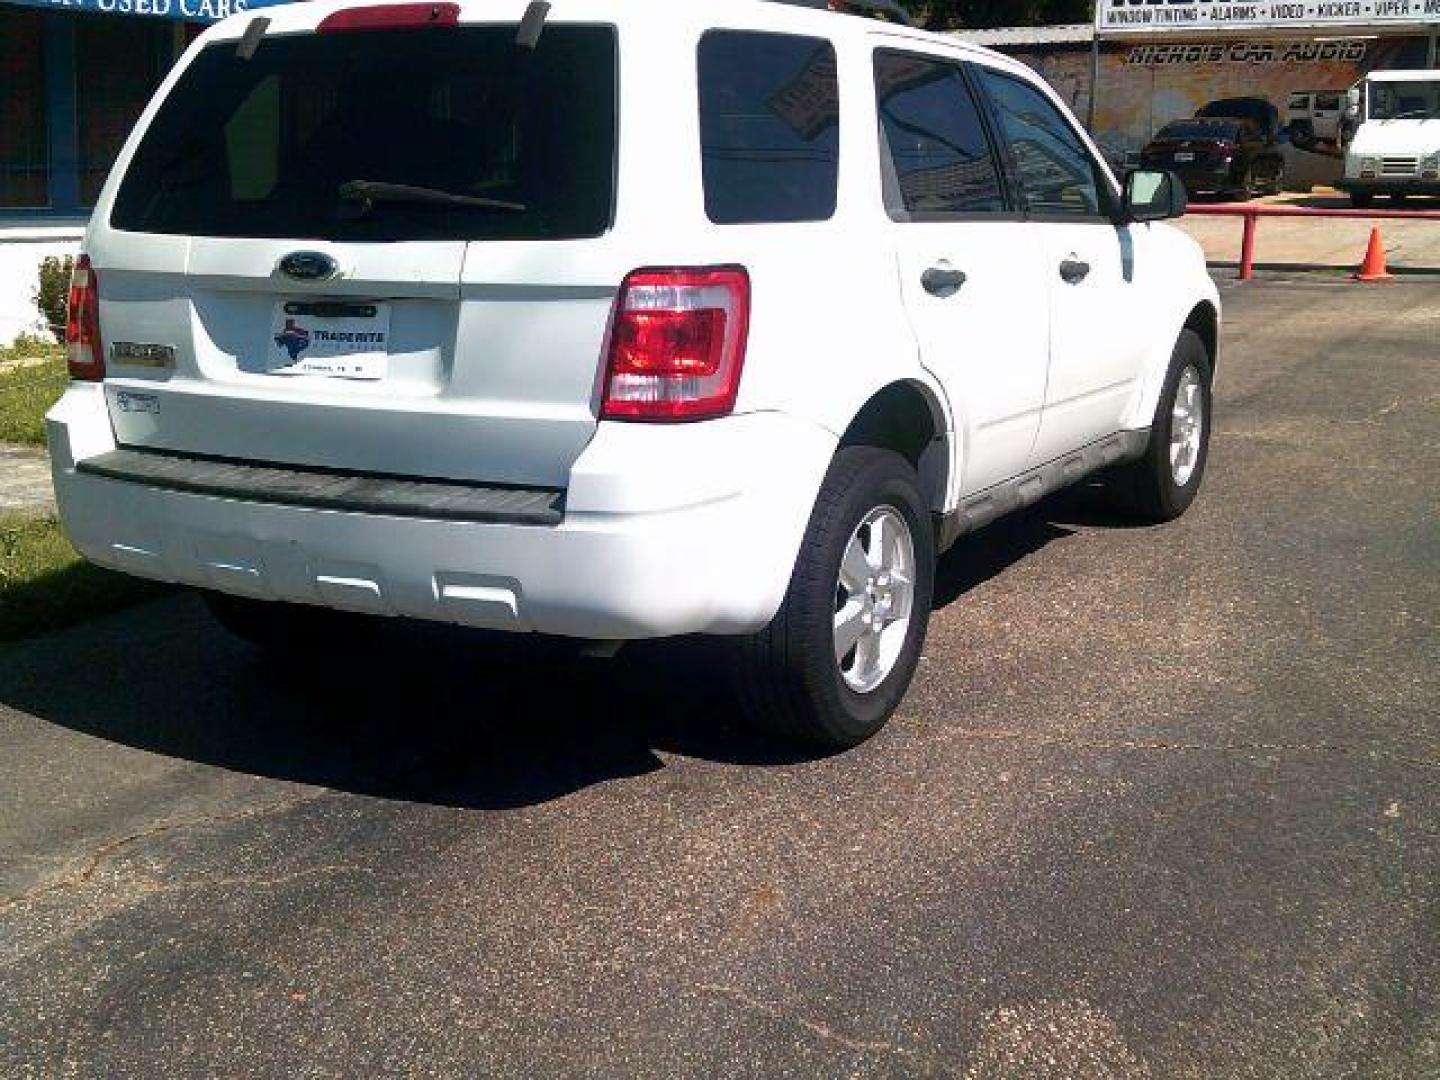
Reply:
x=25 y=478
x=1328 y=269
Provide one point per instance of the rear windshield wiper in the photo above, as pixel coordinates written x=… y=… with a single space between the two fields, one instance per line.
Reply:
x=361 y=195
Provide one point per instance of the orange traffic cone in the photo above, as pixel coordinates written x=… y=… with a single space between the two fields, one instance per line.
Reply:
x=1373 y=268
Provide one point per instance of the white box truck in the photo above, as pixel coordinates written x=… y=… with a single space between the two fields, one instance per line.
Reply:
x=1394 y=145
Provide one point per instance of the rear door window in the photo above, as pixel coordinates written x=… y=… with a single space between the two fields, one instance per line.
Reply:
x=769 y=127
x=264 y=147
x=1058 y=176
x=936 y=161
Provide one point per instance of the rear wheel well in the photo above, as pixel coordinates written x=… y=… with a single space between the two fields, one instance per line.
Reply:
x=1203 y=320
x=905 y=418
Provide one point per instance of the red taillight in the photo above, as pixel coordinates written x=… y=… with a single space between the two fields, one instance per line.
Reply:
x=677 y=344
x=390 y=17
x=83 y=355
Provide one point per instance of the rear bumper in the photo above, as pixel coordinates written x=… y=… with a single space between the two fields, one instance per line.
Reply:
x=667 y=530
x=326 y=489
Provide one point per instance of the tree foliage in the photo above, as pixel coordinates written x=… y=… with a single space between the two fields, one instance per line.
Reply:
x=52 y=292
x=951 y=14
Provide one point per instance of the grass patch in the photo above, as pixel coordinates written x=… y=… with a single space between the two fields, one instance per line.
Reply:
x=45 y=585
x=32 y=376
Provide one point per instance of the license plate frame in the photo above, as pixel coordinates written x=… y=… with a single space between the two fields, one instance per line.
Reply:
x=1184 y=157
x=330 y=338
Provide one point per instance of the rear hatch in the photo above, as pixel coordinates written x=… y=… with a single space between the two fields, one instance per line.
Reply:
x=380 y=249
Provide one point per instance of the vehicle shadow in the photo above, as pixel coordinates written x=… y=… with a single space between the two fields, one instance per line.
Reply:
x=1335 y=201
x=425 y=713
x=405 y=711
x=976 y=558
x=1206 y=198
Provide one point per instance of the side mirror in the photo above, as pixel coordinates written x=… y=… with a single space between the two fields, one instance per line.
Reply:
x=1152 y=195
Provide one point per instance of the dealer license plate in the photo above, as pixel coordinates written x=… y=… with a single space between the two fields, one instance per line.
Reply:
x=343 y=339
x=1184 y=155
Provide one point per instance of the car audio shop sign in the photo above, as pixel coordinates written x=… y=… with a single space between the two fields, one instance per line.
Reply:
x=1181 y=16
x=1301 y=51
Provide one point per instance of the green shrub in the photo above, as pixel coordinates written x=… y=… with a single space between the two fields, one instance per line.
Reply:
x=53 y=291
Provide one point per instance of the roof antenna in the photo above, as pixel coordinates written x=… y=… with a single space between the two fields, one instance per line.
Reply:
x=533 y=21
x=250 y=40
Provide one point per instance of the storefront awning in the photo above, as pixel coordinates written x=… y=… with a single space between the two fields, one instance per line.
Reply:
x=185 y=10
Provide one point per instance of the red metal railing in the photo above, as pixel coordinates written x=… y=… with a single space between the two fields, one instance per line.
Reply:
x=1251 y=211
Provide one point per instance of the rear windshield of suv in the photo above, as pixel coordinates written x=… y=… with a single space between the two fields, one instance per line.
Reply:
x=1190 y=129
x=274 y=146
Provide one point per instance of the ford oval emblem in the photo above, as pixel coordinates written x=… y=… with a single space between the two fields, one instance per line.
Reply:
x=309 y=266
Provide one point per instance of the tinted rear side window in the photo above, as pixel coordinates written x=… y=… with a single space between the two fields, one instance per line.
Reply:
x=936 y=159
x=769 y=127
x=261 y=147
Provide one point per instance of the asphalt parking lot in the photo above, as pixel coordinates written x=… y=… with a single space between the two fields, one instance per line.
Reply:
x=1162 y=802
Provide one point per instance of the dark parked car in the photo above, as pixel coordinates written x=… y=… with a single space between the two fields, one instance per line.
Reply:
x=1258 y=111
x=1217 y=155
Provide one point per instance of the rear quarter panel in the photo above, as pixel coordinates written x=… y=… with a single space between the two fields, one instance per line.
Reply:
x=827 y=328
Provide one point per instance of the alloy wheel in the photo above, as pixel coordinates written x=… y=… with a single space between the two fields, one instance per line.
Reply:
x=1187 y=426
x=874 y=598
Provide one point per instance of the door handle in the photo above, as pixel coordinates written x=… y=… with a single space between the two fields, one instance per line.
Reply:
x=1074 y=269
x=942 y=279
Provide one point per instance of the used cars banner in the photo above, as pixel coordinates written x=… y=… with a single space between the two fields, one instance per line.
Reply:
x=187 y=10
x=1119 y=17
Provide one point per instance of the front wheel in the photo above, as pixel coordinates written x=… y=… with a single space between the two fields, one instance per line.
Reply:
x=837 y=658
x=1161 y=484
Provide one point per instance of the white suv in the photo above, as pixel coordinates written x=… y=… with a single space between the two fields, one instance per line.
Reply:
x=615 y=321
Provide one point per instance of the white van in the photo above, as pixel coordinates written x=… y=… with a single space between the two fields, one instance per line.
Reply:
x=1395 y=147
x=616 y=319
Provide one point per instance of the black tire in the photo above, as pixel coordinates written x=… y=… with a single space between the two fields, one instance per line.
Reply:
x=1246 y=190
x=281 y=628
x=1276 y=183
x=1361 y=200
x=1146 y=488
x=788 y=679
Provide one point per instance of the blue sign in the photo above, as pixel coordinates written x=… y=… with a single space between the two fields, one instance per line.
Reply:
x=187 y=10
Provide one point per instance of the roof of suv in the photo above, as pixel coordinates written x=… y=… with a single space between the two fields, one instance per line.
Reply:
x=799 y=16
x=888 y=10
